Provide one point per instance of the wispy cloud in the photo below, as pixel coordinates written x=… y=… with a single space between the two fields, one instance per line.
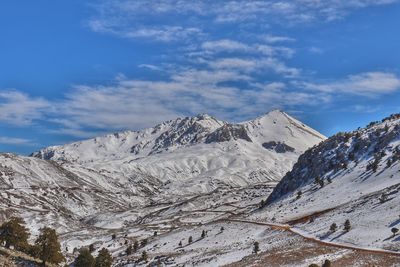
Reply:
x=18 y=108
x=368 y=84
x=13 y=141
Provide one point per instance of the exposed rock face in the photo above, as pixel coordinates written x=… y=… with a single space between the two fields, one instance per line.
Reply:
x=336 y=153
x=279 y=147
x=228 y=132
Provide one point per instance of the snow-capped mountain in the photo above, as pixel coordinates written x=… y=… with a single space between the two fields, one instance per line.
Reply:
x=354 y=176
x=202 y=151
x=136 y=181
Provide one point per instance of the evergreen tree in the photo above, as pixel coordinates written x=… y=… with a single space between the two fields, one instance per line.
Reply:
x=48 y=247
x=144 y=256
x=347 y=225
x=190 y=239
x=113 y=236
x=14 y=233
x=203 y=234
x=222 y=229
x=129 y=250
x=299 y=193
x=84 y=259
x=395 y=231
x=327 y=263
x=262 y=203
x=143 y=243
x=155 y=233
x=135 y=246
x=329 y=180
x=180 y=244
x=256 y=247
x=333 y=227
x=104 y=259
x=91 y=248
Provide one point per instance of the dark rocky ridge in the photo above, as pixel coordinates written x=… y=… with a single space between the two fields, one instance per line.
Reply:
x=228 y=132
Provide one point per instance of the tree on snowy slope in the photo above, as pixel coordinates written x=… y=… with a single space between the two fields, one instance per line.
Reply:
x=48 y=246
x=14 y=233
x=347 y=225
x=84 y=259
x=104 y=259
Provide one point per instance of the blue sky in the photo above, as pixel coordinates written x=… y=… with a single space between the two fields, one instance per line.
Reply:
x=73 y=69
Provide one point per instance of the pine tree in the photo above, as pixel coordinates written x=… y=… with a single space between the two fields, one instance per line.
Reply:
x=327 y=263
x=180 y=244
x=395 y=231
x=190 y=239
x=155 y=233
x=222 y=229
x=256 y=247
x=333 y=227
x=329 y=180
x=135 y=246
x=347 y=225
x=104 y=259
x=262 y=203
x=129 y=250
x=91 y=248
x=299 y=193
x=203 y=234
x=144 y=256
x=84 y=259
x=14 y=233
x=321 y=183
x=143 y=243
x=48 y=247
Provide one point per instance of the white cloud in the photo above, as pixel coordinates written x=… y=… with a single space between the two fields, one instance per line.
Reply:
x=272 y=39
x=367 y=84
x=160 y=33
x=13 y=141
x=20 y=109
x=225 y=45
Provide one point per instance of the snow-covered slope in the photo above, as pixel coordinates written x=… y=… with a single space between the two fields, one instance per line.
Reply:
x=354 y=176
x=180 y=173
x=201 y=150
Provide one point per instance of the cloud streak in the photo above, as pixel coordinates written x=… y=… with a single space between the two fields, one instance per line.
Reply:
x=369 y=84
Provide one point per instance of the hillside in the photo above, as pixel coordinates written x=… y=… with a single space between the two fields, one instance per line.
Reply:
x=177 y=175
x=351 y=176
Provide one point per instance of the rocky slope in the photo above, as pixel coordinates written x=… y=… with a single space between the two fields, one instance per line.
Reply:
x=354 y=176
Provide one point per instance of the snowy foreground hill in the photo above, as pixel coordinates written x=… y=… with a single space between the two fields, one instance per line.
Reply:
x=351 y=176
